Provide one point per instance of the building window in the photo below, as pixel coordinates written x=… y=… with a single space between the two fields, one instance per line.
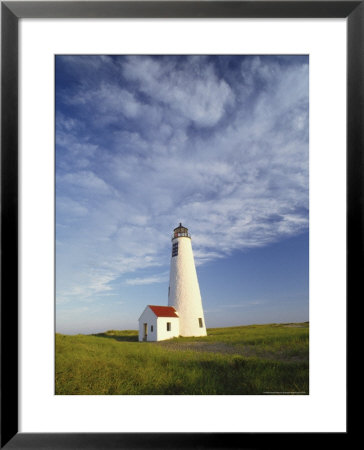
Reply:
x=175 y=249
x=168 y=326
x=151 y=328
x=200 y=322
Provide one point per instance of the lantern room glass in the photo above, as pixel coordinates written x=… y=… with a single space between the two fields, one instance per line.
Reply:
x=181 y=231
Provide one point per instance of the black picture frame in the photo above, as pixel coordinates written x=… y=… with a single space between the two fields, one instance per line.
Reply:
x=11 y=12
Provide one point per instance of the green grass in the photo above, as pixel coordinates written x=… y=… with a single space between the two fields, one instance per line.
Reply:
x=255 y=359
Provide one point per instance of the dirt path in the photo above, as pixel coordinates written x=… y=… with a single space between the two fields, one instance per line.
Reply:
x=220 y=347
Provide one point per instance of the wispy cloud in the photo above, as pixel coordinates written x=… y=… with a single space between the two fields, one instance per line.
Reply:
x=162 y=278
x=191 y=91
x=143 y=143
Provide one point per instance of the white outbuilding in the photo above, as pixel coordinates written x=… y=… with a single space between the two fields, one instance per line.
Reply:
x=158 y=323
x=184 y=314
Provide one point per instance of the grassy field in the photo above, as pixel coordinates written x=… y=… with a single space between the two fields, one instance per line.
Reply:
x=255 y=359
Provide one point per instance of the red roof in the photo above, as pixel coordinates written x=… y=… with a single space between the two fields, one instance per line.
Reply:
x=163 y=311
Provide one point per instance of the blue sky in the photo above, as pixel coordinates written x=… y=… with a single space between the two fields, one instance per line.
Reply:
x=219 y=143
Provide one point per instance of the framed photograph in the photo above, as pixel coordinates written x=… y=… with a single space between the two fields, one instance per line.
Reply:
x=237 y=124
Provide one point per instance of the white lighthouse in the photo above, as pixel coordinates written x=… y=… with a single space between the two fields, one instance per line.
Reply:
x=184 y=314
x=184 y=292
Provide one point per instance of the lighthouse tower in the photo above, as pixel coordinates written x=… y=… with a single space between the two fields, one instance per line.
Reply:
x=184 y=292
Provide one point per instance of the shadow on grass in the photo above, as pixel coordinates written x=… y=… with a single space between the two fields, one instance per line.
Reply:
x=120 y=338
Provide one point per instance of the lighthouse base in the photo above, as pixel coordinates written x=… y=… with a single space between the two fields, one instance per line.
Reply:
x=188 y=331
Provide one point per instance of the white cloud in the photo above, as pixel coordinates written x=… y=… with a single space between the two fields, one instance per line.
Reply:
x=194 y=91
x=70 y=208
x=85 y=179
x=162 y=278
x=237 y=184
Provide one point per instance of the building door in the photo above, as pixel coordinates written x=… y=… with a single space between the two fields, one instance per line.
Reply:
x=145 y=332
